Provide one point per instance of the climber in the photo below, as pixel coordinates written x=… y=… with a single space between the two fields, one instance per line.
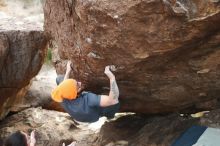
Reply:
x=86 y=106
x=20 y=138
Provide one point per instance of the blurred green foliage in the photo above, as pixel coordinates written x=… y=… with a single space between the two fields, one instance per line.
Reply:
x=48 y=58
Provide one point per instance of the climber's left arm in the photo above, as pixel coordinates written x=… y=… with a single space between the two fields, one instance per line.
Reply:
x=68 y=70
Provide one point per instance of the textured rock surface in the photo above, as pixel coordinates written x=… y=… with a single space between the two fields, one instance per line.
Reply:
x=22 y=53
x=52 y=128
x=167 y=52
x=39 y=92
x=152 y=131
x=122 y=131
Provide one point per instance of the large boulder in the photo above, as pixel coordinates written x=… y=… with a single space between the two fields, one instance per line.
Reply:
x=52 y=127
x=22 y=51
x=163 y=130
x=166 y=52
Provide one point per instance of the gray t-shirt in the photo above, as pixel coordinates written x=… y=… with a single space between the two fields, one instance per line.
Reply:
x=86 y=108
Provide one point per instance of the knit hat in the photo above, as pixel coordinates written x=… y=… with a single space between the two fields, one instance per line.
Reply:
x=66 y=89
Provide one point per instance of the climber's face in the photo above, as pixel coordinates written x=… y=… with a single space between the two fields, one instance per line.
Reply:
x=79 y=86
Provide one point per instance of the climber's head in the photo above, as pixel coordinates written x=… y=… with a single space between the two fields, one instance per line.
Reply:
x=17 y=139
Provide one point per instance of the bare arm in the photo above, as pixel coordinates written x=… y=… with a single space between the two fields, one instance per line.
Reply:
x=32 y=139
x=112 y=98
x=114 y=92
x=68 y=70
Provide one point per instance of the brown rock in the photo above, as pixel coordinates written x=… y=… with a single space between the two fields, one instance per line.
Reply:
x=152 y=130
x=166 y=52
x=22 y=53
x=52 y=128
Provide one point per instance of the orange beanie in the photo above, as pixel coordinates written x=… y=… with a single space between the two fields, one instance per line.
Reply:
x=66 y=89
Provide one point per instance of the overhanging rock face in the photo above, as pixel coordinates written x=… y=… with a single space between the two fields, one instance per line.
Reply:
x=167 y=53
x=22 y=53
